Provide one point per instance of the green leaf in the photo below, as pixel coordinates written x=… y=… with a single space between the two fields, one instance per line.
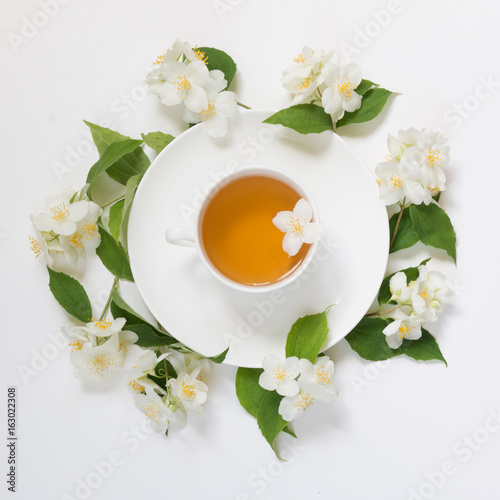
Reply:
x=149 y=336
x=120 y=309
x=372 y=104
x=115 y=219
x=364 y=86
x=424 y=349
x=113 y=256
x=220 y=358
x=406 y=236
x=369 y=341
x=270 y=422
x=434 y=228
x=307 y=336
x=103 y=136
x=303 y=118
x=130 y=189
x=132 y=164
x=384 y=294
x=157 y=140
x=111 y=155
x=71 y=295
x=261 y=404
x=248 y=390
x=218 y=59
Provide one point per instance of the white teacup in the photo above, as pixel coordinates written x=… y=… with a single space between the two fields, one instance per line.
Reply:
x=191 y=236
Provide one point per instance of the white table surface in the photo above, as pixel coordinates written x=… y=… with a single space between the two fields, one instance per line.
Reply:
x=401 y=429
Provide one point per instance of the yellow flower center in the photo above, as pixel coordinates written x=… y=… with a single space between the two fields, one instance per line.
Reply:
x=299 y=59
x=152 y=411
x=35 y=247
x=396 y=182
x=200 y=55
x=90 y=231
x=103 y=325
x=323 y=376
x=208 y=112
x=76 y=240
x=59 y=212
x=159 y=59
x=345 y=88
x=182 y=84
x=135 y=386
x=280 y=374
x=433 y=158
x=101 y=364
x=404 y=331
x=427 y=297
x=304 y=85
x=188 y=390
x=295 y=226
x=76 y=345
x=304 y=402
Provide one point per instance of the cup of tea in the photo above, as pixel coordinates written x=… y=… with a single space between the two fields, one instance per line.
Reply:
x=235 y=236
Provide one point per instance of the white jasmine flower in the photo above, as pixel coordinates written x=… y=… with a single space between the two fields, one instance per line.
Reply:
x=86 y=237
x=98 y=363
x=430 y=292
x=316 y=380
x=280 y=375
x=195 y=366
x=428 y=150
x=190 y=391
x=214 y=118
x=177 y=49
x=61 y=216
x=178 y=83
x=407 y=328
x=401 y=292
x=39 y=246
x=298 y=227
x=293 y=406
x=398 y=181
x=104 y=327
x=340 y=95
x=137 y=378
x=305 y=75
x=159 y=412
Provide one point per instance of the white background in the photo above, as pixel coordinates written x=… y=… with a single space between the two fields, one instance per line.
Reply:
x=395 y=424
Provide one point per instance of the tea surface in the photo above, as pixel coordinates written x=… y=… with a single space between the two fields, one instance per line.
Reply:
x=238 y=234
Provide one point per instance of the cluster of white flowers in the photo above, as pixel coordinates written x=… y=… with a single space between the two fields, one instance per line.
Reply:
x=67 y=230
x=414 y=170
x=186 y=392
x=182 y=78
x=319 y=76
x=299 y=381
x=99 y=348
x=416 y=303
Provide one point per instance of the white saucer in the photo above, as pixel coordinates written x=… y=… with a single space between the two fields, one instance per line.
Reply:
x=207 y=316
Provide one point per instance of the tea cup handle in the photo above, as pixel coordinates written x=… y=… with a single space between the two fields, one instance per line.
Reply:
x=182 y=236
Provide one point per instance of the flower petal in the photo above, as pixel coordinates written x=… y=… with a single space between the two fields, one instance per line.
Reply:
x=303 y=210
x=292 y=243
x=312 y=232
x=282 y=220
